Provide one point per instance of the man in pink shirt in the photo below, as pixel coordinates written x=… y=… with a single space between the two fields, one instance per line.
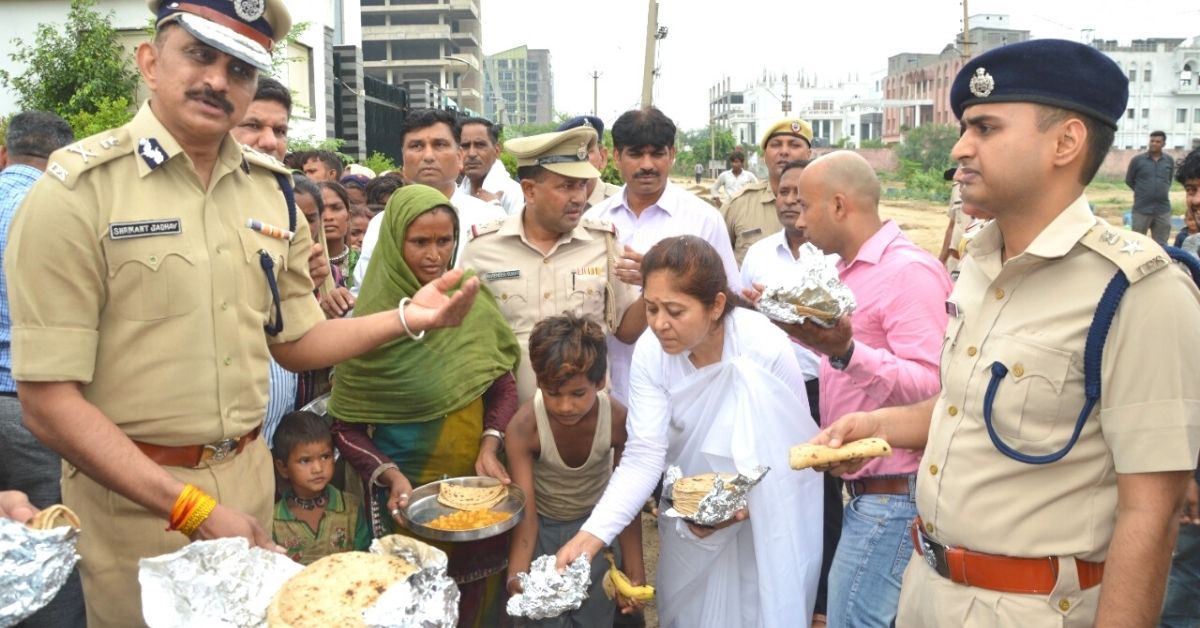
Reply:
x=884 y=354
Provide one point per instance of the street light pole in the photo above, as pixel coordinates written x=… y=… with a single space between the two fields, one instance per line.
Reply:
x=651 y=45
x=595 y=74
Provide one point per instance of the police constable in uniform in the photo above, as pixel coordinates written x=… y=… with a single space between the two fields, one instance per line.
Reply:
x=143 y=306
x=1027 y=526
x=546 y=260
x=750 y=215
x=598 y=189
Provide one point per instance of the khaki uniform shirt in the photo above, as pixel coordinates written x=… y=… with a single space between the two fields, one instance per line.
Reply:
x=127 y=276
x=750 y=216
x=578 y=275
x=1032 y=314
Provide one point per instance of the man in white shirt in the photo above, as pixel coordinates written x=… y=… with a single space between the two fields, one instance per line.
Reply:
x=771 y=261
x=429 y=140
x=732 y=180
x=484 y=175
x=649 y=209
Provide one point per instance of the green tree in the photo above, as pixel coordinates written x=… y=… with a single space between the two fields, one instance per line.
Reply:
x=928 y=146
x=79 y=72
x=700 y=142
x=379 y=163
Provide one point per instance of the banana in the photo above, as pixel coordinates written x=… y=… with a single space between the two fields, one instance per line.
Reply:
x=616 y=582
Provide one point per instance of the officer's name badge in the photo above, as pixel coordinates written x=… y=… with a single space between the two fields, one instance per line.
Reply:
x=592 y=270
x=502 y=274
x=144 y=228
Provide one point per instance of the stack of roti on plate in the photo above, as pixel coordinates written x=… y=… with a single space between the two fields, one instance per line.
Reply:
x=335 y=590
x=471 y=497
x=686 y=493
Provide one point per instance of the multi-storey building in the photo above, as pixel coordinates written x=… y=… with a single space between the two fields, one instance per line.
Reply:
x=519 y=86
x=430 y=47
x=1164 y=90
x=917 y=88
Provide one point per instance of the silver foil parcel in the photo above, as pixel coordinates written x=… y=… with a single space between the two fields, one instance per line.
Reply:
x=815 y=284
x=722 y=501
x=426 y=599
x=547 y=593
x=34 y=564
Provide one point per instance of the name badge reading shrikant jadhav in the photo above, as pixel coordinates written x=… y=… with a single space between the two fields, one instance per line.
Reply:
x=503 y=274
x=144 y=228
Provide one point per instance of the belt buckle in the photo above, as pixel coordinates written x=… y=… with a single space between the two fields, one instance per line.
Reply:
x=221 y=449
x=934 y=554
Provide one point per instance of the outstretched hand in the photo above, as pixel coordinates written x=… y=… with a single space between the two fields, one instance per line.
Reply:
x=432 y=307
x=849 y=428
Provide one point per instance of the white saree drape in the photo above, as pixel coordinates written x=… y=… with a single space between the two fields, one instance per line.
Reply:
x=744 y=411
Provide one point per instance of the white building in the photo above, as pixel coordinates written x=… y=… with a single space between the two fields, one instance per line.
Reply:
x=307 y=70
x=1164 y=90
x=842 y=111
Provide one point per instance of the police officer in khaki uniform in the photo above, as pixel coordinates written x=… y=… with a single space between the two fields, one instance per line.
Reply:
x=598 y=189
x=143 y=306
x=546 y=260
x=1052 y=469
x=750 y=215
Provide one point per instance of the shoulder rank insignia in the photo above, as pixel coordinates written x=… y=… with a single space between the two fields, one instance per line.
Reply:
x=486 y=227
x=151 y=152
x=83 y=153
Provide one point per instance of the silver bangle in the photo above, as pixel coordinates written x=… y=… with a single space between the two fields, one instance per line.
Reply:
x=491 y=431
x=400 y=309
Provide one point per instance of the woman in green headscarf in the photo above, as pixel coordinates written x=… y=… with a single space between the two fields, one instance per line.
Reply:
x=413 y=411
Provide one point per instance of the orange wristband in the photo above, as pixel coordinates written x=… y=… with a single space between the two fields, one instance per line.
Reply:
x=196 y=517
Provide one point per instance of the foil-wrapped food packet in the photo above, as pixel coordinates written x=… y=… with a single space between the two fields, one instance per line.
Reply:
x=813 y=292
x=723 y=500
x=221 y=583
x=547 y=593
x=34 y=565
x=427 y=599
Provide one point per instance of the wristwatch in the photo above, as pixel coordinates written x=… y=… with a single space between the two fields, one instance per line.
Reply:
x=840 y=362
x=491 y=431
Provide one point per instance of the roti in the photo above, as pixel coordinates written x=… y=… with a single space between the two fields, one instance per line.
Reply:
x=56 y=516
x=687 y=492
x=805 y=455
x=471 y=497
x=335 y=590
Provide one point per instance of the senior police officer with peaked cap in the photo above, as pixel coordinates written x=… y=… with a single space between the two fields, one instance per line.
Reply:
x=1053 y=467
x=750 y=215
x=143 y=304
x=598 y=189
x=547 y=259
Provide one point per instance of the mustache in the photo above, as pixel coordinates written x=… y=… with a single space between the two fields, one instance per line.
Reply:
x=208 y=94
x=646 y=173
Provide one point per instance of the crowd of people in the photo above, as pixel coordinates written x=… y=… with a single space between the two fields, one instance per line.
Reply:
x=178 y=292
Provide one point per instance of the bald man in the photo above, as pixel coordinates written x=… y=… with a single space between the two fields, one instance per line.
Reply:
x=884 y=354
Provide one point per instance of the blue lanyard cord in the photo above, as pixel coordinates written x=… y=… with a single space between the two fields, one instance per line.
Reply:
x=1093 y=352
x=268 y=266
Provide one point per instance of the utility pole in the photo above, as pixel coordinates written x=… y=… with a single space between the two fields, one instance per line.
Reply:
x=787 y=101
x=595 y=74
x=966 y=37
x=651 y=46
x=712 y=134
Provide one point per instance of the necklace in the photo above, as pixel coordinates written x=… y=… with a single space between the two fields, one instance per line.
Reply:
x=338 y=259
x=310 y=504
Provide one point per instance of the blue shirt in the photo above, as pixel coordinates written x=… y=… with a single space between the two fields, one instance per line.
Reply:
x=281 y=399
x=15 y=182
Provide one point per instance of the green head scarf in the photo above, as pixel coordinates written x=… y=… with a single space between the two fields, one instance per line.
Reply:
x=405 y=381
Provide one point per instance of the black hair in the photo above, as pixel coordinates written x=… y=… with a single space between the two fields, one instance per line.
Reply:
x=1159 y=134
x=298 y=428
x=492 y=128
x=36 y=134
x=274 y=91
x=329 y=158
x=304 y=185
x=1189 y=168
x=418 y=119
x=697 y=268
x=534 y=172
x=380 y=189
x=738 y=155
x=643 y=127
x=795 y=163
x=562 y=347
x=338 y=189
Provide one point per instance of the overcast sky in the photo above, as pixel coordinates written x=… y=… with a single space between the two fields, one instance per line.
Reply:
x=710 y=39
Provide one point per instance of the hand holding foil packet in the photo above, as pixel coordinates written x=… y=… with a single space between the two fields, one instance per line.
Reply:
x=813 y=292
x=547 y=593
x=34 y=565
x=725 y=494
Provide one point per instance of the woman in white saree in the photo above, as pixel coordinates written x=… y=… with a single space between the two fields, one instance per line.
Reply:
x=715 y=388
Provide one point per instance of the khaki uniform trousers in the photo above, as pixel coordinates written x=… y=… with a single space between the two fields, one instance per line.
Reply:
x=928 y=600
x=117 y=532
